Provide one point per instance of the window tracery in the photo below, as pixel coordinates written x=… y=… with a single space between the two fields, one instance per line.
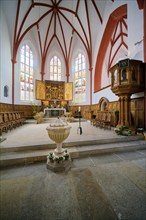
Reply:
x=55 y=69
x=26 y=74
x=80 y=79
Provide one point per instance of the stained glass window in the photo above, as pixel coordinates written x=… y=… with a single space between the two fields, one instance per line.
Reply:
x=55 y=69
x=26 y=74
x=80 y=79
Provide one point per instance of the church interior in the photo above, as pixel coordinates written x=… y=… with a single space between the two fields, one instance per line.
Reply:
x=73 y=109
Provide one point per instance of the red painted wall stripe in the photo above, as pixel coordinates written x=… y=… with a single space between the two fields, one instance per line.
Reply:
x=117 y=15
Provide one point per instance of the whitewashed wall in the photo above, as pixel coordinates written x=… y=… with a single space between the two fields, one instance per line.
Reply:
x=5 y=60
x=135 y=31
x=135 y=34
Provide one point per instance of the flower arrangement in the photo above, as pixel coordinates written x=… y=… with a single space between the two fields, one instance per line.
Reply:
x=123 y=130
x=36 y=108
x=54 y=158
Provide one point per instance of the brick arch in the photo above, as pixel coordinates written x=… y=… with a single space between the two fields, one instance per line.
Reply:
x=110 y=27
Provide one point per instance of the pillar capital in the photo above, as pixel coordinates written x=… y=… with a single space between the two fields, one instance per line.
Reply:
x=14 y=60
x=90 y=69
x=42 y=73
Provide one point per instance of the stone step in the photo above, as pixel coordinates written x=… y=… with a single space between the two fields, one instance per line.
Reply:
x=119 y=139
x=29 y=157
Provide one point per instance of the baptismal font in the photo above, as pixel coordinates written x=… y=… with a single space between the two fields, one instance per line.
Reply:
x=59 y=160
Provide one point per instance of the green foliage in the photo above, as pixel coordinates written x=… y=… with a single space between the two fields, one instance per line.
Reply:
x=53 y=158
x=123 y=130
x=36 y=108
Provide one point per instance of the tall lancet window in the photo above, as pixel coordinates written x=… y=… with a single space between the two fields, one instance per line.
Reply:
x=55 y=69
x=80 y=79
x=26 y=74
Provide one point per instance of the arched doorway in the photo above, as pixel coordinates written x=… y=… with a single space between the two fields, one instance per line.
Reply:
x=103 y=104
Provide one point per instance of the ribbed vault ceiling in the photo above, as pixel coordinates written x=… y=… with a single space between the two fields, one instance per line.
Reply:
x=62 y=23
x=51 y=21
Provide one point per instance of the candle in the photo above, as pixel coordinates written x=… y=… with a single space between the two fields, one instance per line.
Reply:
x=79 y=108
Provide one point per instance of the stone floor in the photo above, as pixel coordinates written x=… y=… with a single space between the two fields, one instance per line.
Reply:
x=109 y=186
x=105 y=187
x=36 y=134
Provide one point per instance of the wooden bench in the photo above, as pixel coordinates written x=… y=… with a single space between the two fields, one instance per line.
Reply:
x=10 y=120
x=102 y=120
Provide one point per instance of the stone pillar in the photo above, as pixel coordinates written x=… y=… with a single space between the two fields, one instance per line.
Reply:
x=119 y=122
x=127 y=110
x=122 y=110
x=124 y=113
x=13 y=82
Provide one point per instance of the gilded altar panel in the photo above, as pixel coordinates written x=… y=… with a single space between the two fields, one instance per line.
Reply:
x=40 y=90
x=68 y=95
x=54 y=90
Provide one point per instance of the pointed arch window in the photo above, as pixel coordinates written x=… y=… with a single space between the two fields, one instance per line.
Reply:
x=80 y=79
x=26 y=74
x=55 y=69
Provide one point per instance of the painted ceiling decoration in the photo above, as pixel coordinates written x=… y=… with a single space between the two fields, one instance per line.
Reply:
x=118 y=40
x=58 y=20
